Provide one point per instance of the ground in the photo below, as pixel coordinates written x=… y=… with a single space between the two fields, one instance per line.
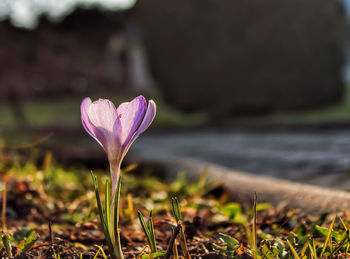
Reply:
x=42 y=195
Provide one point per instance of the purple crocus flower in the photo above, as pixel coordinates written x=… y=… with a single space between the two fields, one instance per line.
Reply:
x=115 y=129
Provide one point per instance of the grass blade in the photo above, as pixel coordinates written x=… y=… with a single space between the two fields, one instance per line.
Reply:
x=116 y=207
x=296 y=256
x=98 y=251
x=314 y=248
x=129 y=168
x=103 y=252
x=102 y=218
x=176 y=209
x=29 y=242
x=151 y=231
x=145 y=230
x=203 y=178
x=142 y=252
x=130 y=207
x=344 y=225
x=57 y=255
x=7 y=244
x=340 y=245
x=348 y=243
x=230 y=241
x=255 y=249
x=328 y=238
x=305 y=247
x=107 y=206
x=158 y=255
x=312 y=251
x=118 y=246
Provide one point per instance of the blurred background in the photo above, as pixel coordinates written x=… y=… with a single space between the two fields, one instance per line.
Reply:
x=258 y=86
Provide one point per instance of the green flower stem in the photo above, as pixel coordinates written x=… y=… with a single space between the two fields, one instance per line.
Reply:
x=109 y=217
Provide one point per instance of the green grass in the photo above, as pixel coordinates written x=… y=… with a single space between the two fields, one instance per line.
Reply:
x=66 y=112
x=334 y=113
x=337 y=112
x=44 y=112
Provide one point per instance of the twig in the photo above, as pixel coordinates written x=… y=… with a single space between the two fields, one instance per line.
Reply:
x=172 y=240
x=39 y=245
x=50 y=251
x=183 y=244
x=51 y=235
x=205 y=248
x=175 y=252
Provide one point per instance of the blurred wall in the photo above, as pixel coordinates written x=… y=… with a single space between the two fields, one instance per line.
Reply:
x=245 y=56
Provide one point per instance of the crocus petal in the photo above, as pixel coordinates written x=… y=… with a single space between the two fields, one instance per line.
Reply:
x=122 y=108
x=103 y=116
x=147 y=120
x=132 y=118
x=117 y=133
x=88 y=126
x=102 y=113
x=149 y=116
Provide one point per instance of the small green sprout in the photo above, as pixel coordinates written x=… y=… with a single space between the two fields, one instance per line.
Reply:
x=176 y=210
x=148 y=229
x=57 y=255
x=230 y=247
x=7 y=242
x=28 y=242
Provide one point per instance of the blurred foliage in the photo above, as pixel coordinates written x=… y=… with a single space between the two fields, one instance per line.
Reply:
x=333 y=113
x=65 y=112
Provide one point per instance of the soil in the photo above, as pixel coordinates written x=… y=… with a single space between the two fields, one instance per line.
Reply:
x=70 y=240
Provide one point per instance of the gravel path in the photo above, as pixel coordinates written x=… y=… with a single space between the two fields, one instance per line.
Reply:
x=321 y=158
